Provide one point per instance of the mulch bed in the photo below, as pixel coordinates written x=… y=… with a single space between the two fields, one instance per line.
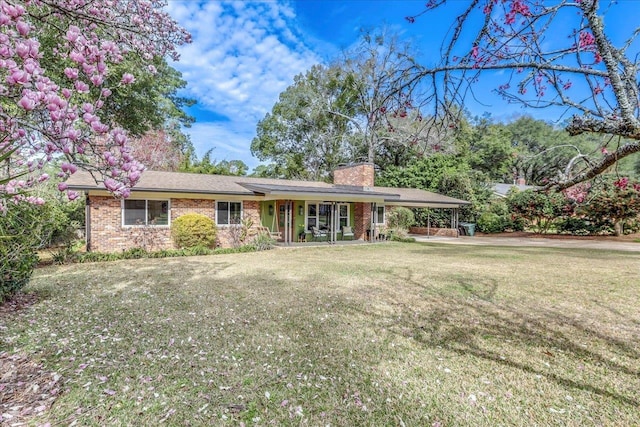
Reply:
x=26 y=388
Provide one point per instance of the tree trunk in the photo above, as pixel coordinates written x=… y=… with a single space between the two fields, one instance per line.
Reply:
x=618 y=227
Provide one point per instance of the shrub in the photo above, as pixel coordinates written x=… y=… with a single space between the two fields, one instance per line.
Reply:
x=20 y=236
x=538 y=210
x=577 y=226
x=401 y=218
x=263 y=242
x=193 y=229
x=490 y=222
x=400 y=235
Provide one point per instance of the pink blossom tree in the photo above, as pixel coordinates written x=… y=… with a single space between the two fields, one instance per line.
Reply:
x=56 y=61
x=555 y=53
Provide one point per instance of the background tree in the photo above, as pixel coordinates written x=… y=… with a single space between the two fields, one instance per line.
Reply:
x=385 y=100
x=156 y=150
x=537 y=209
x=365 y=106
x=613 y=201
x=557 y=54
x=208 y=165
x=300 y=134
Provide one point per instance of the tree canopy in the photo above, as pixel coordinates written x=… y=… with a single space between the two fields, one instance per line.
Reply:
x=555 y=54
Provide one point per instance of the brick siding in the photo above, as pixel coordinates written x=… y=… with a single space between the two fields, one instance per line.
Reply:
x=362 y=220
x=434 y=231
x=360 y=175
x=108 y=235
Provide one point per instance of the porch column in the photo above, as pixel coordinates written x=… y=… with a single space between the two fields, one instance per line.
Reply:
x=362 y=220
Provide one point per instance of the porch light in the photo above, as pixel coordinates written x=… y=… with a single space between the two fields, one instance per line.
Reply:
x=270 y=210
x=300 y=210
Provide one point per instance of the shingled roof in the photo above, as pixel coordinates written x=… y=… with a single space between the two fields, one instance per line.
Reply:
x=190 y=183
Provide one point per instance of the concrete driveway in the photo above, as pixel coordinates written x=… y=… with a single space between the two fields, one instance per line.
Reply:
x=602 y=244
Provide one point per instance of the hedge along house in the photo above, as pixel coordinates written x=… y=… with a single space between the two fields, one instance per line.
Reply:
x=288 y=208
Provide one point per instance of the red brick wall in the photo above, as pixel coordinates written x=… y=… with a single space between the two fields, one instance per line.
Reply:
x=434 y=231
x=108 y=235
x=362 y=220
x=360 y=175
x=180 y=207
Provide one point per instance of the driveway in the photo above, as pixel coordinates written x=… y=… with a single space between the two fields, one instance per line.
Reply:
x=542 y=242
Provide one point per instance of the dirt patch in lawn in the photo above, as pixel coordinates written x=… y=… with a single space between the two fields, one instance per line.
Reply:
x=26 y=389
x=16 y=302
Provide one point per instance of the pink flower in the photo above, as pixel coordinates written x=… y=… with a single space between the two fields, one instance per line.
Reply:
x=23 y=28
x=62 y=186
x=81 y=86
x=18 y=77
x=71 y=73
x=73 y=33
x=68 y=168
x=127 y=78
x=27 y=103
x=77 y=57
x=72 y=195
x=622 y=183
x=586 y=40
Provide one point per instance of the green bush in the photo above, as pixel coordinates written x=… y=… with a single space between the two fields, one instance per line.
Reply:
x=538 y=210
x=490 y=222
x=192 y=230
x=400 y=235
x=577 y=226
x=20 y=237
x=400 y=218
x=263 y=242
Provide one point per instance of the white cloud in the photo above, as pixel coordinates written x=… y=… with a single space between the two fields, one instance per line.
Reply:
x=230 y=141
x=242 y=56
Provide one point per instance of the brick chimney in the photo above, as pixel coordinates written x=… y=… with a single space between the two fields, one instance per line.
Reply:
x=359 y=175
x=521 y=181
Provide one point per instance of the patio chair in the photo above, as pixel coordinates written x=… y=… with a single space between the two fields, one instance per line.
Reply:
x=318 y=234
x=347 y=232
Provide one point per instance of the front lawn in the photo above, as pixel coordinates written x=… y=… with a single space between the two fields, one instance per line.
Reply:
x=388 y=334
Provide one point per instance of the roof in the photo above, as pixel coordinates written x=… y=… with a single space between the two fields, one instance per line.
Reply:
x=269 y=189
x=503 y=189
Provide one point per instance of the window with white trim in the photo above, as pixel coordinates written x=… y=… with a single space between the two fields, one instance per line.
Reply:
x=145 y=212
x=319 y=215
x=228 y=213
x=343 y=214
x=378 y=215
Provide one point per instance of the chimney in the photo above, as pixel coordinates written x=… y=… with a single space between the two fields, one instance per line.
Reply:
x=521 y=181
x=359 y=175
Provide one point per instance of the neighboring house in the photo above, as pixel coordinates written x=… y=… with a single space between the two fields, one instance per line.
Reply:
x=287 y=207
x=502 y=190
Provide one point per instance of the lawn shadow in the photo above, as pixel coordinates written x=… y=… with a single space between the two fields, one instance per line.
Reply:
x=462 y=324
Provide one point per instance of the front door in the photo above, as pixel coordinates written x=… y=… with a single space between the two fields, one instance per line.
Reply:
x=285 y=220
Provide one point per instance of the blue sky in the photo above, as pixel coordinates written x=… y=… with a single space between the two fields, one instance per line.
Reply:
x=245 y=53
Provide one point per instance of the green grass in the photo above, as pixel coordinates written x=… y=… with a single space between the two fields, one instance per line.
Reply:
x=393 y=334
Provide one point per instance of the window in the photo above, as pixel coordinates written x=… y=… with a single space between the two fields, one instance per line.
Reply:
x=319 y=215
x=343 y=215
x=145 y=212
x=378 y=216
x=228 y=213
